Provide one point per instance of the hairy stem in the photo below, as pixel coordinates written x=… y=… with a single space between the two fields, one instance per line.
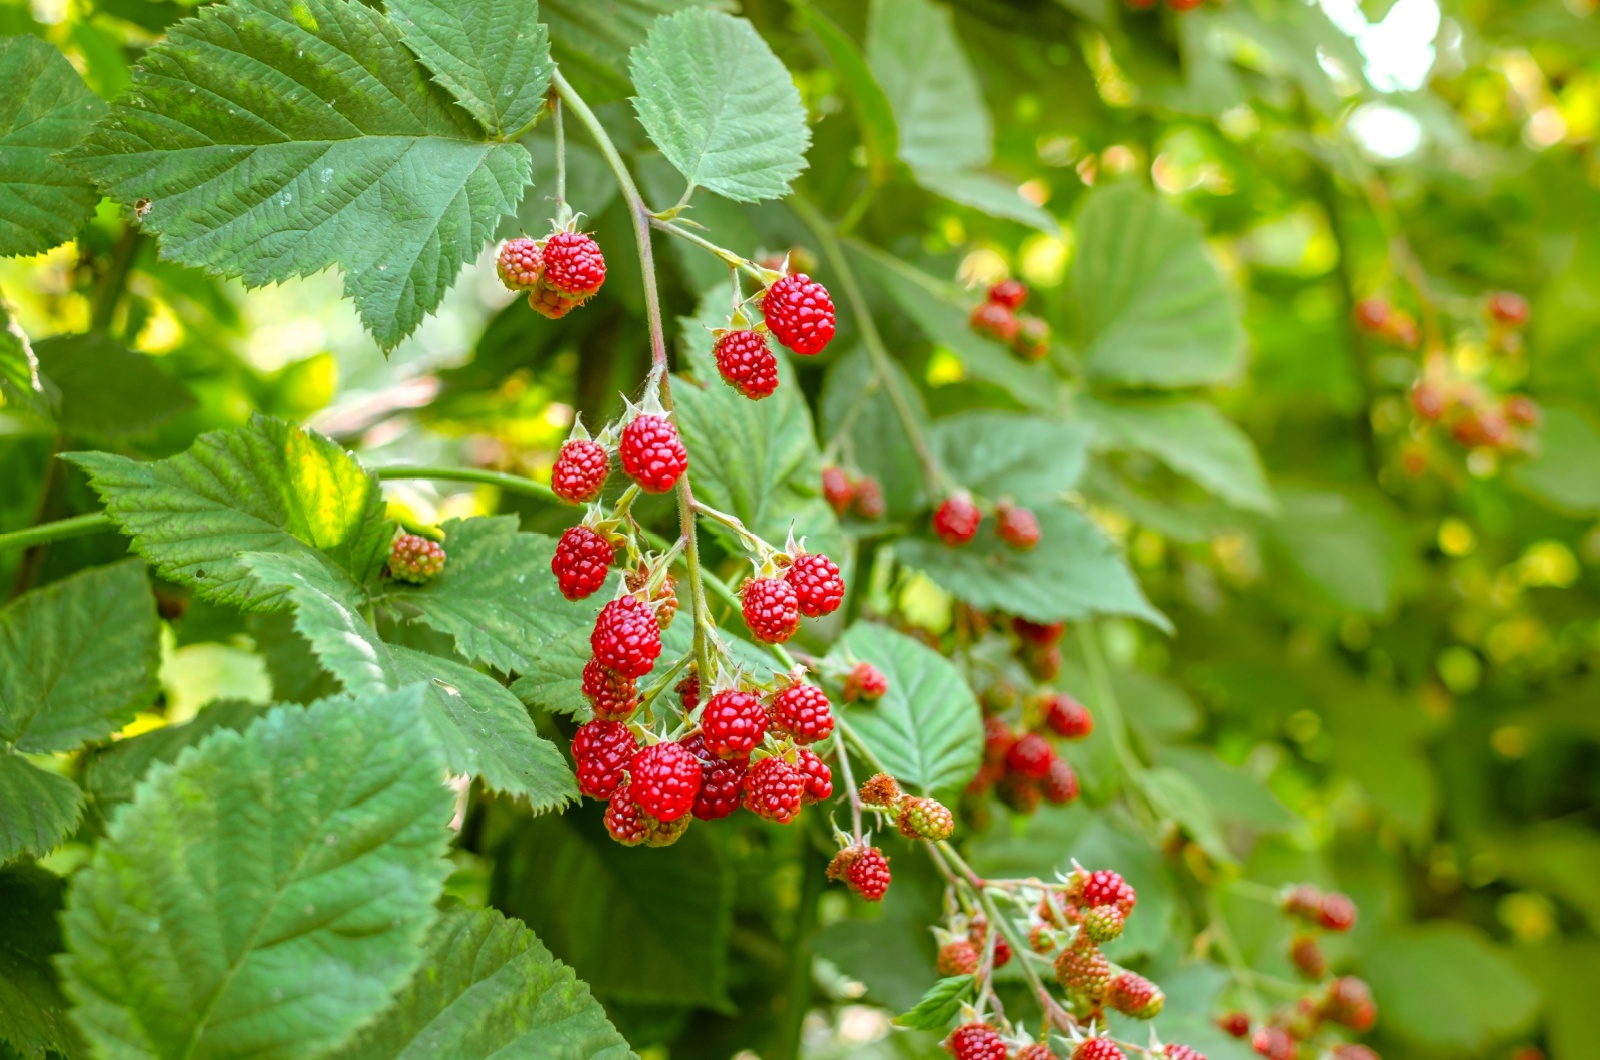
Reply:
x=44 y=533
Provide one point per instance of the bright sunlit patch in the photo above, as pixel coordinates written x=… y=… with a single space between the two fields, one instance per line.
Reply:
x=982 y=267
x=1385 y=132
x=1043 y=259
x=1399 y=50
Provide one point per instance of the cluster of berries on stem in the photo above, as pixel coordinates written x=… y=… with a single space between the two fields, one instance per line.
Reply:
x=997 y=317
x=559 y=272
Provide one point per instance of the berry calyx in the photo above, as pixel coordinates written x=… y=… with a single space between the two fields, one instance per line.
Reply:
x=626 y=637
x=746 y=363
x=774 y=790
x=1017 y=527
x=881 y=790
x=602 y=751
x=580 y=471
x=573 y=264
x=1103 y=923
x=929 y=819
x=1108 y=888
x=652 y=453
x=1067 y=717
x=612 y=696
x=623 y=820
x=733 y=723
x=864 y=869
x=838 y=489
x=415 y=559
x=1030 y=756
x=957 y=957
x=1097 y=1049
x=771 y=609
x=664 y=779
x=818 y=777
x=818 y=585
x=994 y=320
x=1134 y=995
x=865 y=682
x=803 y=711
x=519 y=263
x=1060 y=785
x=956 y=520
x=581 y=562
x=799 y=313
x=1009 y=293
x=975 y=1041
x=721 y=780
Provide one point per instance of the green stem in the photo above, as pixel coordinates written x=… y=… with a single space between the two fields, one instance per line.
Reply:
x=77 y=526
x=109 y=293
x=508 y=482
x=726 y=256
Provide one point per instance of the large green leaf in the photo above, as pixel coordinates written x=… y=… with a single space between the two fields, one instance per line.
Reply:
x=938 y=1006
x=106 y=391
x=1447 y=987
x=114 y=771
x=489 y=988
x=992 y=194
x=267 y=486
x=1352 y=548
x=273 y=138
x=1028 y=459
x=720 y=106
x=1154 y=307
x=1191 y=437
x=880 y=137
x=77 y=658
x=33 y=1014
x=494 y=58
x=38 y=809
x=914 y=54
x=1074 y=572
x=44 y=108
x=598 y=906
x=1562 y=472
x=266 y=894
x=482 y=728
x=496 y=595
x=926 y=729
x=594 y=36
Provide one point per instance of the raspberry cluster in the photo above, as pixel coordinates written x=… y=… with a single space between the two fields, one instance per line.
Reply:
x=415 y=559
x=996 y=318
x=915 y=816
x=958 y=516
x=559 y=272
x=852 y=493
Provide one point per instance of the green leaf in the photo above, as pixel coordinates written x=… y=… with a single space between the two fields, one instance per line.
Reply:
x=267 y=486
x=19 y=368
x=1154 y=307
x=114 y=771
x=938 y=1006
x=926 y=729
x=554 y=682
x=1561 y=473
x=33 y=1014
x=496 y=595
x=598 y=906
x=77 y=658
x=1073 y=573
x=348 y=158
x=857 y=409
x=38 y=809
x=915 y=55
x=1232 y=792
x=994 y=195
x=880 y=137
x=1178 y=798
x=266 y=894
x=494 y=58
x=489 y=988
x=44 y=108
x=595 y=36
x=107 y=392
x=1028 y=459
x=481 y=727
x=721 y=107
x=1446 y=986
x=1351 y=548
x=1192 y=438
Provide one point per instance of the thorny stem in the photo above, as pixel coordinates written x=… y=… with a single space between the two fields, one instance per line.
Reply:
x=641 y=216
x=933 y=477
x=850 y=787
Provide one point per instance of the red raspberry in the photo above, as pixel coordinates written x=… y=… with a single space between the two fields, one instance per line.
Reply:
x=995 y=321
x=978 y=935
x=799 y=313
x=580 y=471
x=1107 y=888
x=1349 y=1001
x=623 y=820
x=1019 y=793
x=928 y=819
x=1174 y=1051
x=602 y=750
x=956 y=520
x=1081 y=967
x=733 y=723
x=1043 y=634
x=1428 y=400
x=652 y=453
x=1009 y=293
x=1030 y=756
x=865 y=682
x=1039 y=1051
x=975 y=1041
x=1103 y=923
x=520 y=264
x=869 y=498
x=1336 y=912
x=415 y=559
x=1067 y=717
x=818 y=586
x=1303 y=901
x=1509 y=308
x=1307 y=957
x=774 y=790
x=838 y=489
x=771 y=609
x=957 y=957
x=665 y=778
x=864 y=869
x=1017 y=527
x=1372 y=314
x=1060 y=785
x=1275 y=1043
x=626 y=637
x=612 y=696
x=803 y=712
x=582 y=560
x=1523 y=411
x=721 y=784
x=819 y=778
x=1134 y=995
x=1234 y=1023
x=573 y=264
x=746 y=363
x=1032 y=341
x=1097 y=1049
x=689 y=691
x=997 y=739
